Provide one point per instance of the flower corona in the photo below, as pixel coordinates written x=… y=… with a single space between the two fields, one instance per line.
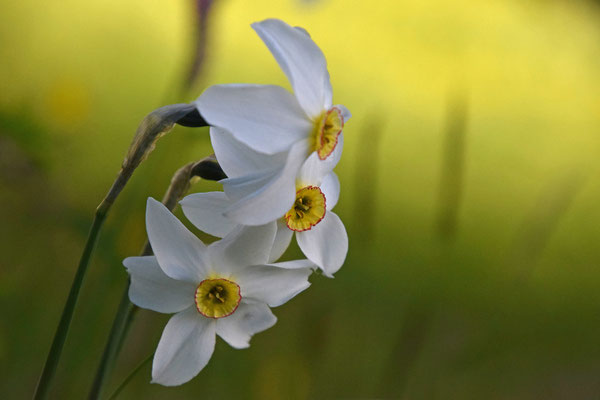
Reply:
x=308 y=209
x=217 y=298
x=306 y=122
x=327 y=130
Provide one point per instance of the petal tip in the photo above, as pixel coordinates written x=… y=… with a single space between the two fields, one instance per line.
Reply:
x=330 y=274
x=127 y=262
x=152 y=201
x=267 y=21
x=153 y=206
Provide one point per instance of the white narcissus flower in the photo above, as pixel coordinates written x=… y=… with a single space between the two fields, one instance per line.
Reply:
x=271 y=120
x=222 y=289
x=319 y=231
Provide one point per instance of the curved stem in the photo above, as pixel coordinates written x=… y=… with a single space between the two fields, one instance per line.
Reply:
x=131 y=313
x=111 y=349
x=154 y=125
x=60 y=336
x=207 y=168
x=118 y=332
x=41 y=391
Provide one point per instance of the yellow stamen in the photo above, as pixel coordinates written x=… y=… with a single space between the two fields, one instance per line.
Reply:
x=327 y=129
x=217 y=298
x=308 y=209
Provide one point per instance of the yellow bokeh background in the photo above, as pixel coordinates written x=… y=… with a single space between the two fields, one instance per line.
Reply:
x=506 y=305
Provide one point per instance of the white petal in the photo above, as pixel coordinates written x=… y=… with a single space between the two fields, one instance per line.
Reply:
x=330 y=186
x=243 y=246
x=205 y=211
x=302 y=61
x=334 y=158
x=259 y=200
x=237 y=159
x=272 y=285
x=186 y=345
x=265 y=117
x=314 y=169
x=294 y=264
x=311 y=172
x=301 y=29
x=152 y=289
x=243 y=186
x=345 y=112
x=283 y=236
x=248 y=319
x=178 y=251
x=325 y=243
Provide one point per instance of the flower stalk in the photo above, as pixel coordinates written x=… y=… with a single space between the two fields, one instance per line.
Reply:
x=206 y=168
x=152 y=127
x=280 y=182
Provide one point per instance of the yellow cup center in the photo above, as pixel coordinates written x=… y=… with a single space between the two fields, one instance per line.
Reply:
x=327 y=130
x=217 y=298
x=308 y=209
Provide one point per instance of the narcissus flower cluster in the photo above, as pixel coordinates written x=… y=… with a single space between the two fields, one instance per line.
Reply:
x=278 y=150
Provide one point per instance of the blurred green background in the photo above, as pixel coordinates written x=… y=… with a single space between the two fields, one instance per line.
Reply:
x=470 y=191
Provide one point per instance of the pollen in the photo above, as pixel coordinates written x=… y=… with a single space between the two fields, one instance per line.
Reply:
x=217 y=298
x=327 y=129
x=308 y=209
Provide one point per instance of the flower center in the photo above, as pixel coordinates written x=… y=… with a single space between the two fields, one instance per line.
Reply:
x=308 y=209
x=217 y=298
x=327 y=130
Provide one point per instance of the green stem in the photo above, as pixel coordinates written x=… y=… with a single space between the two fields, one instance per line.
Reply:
x=128 y=321
x=110 y=351
x=49 y=371
x=130 y=377
x=178 y=187
x=116 y=337
x=154 y=125
x=60 y=336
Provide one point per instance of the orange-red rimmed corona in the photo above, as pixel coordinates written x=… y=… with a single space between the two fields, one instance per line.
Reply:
x=308 y=209
x=327 y=130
